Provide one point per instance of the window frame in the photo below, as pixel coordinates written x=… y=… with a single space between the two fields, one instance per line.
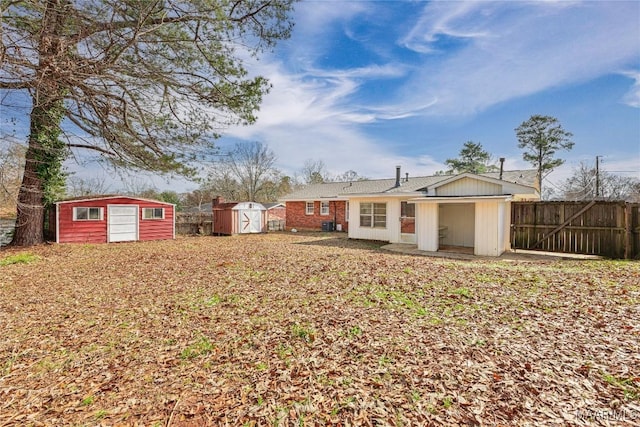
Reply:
x=406 y=206
x=306 y=208
x=373 y=215
x=88 y=213
x=153 y=215
x=324 y=204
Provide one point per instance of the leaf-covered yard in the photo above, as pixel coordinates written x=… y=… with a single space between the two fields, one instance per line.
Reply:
x=286 y=329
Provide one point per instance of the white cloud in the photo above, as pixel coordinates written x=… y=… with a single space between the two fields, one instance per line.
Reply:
x=506 y=50
x=632 y=97
x=513 y=49
x=439 y=19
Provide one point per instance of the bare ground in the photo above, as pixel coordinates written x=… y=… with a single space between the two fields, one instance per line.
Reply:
x=285 y=329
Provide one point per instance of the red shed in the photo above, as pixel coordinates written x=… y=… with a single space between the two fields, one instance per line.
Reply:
x=100 y=219
x=238 y=217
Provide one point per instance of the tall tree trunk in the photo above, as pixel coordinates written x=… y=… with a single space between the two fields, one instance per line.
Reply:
x=42 y=172
x=43 y=175
x=30 y=219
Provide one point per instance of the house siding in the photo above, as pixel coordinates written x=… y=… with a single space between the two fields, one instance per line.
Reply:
x=488 y=230
x=469 y=187
x=391 y=233
x=297 y=218
x=155 y=229
x=427 y=226
x=70 y=231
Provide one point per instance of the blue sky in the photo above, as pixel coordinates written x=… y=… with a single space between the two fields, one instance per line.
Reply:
x=368 y=85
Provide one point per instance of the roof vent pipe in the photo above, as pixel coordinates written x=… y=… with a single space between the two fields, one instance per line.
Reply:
x=501 y=166
x=397 y=176
x=406 y=178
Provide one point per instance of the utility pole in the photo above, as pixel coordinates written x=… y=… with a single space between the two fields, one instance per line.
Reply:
x=598 y=176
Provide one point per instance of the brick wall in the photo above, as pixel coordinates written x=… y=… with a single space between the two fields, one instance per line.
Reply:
x=297 y=217
x=279 y=213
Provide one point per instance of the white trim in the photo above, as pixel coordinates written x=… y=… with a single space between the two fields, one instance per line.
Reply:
x=373 y=215
x=306 y=208
x=461 y=199
x=327 y=198
x=137 y=221
x=322 y=202
x=383 y=195
x=476 y=177
x=74 y=213
x=346 y=211
x=153 y=218
x=57 y=223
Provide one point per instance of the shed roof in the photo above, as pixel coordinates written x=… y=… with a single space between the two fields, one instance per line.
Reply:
x=107 y=197
x=273 y=205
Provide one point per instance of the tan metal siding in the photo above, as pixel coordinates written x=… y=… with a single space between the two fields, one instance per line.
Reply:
x=427 y=226
x=469 y=187
x=486 y=236
x=392 y=230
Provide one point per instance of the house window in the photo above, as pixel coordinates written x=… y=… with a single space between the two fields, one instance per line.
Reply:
x=324 y=208
x=373 y=215
x=152 y=213
x=407 y=210
x=87 y=214
x=309 y=208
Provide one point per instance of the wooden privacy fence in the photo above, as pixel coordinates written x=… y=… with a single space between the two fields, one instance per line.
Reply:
x=194 y=223
x=610 y=229
x=275 y=225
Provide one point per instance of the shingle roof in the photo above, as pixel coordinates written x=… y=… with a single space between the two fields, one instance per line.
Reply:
x=338 y=190
x=523 y=177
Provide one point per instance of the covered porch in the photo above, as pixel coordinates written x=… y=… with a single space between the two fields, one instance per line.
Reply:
x=466 y=224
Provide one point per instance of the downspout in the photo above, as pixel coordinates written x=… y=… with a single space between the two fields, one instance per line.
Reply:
x=335 y=216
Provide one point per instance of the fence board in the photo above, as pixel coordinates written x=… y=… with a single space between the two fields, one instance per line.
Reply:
x=188 y=223
x=610 y=229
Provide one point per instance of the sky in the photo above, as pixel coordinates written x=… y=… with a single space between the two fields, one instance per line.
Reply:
x=368 y=85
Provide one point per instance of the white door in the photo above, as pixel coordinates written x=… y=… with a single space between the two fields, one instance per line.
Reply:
x=250 y=221
x=407 y=223
x=122 y=223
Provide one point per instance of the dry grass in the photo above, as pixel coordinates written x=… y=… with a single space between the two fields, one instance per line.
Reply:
x=312 y=330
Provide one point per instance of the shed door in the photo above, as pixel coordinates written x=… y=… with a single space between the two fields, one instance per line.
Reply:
x=122 y=223
x=250 y=221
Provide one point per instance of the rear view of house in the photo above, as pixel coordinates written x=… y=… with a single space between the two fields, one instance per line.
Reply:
x=103 y=219
x=433 y=212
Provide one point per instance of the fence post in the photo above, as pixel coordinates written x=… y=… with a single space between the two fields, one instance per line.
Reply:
x=627 y=231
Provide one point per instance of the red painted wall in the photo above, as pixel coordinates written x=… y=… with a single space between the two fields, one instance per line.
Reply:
x=95 y=231
x=298 y=219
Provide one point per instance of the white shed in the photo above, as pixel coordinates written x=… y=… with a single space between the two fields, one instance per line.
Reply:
x=238 y=217
x=251 y=217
